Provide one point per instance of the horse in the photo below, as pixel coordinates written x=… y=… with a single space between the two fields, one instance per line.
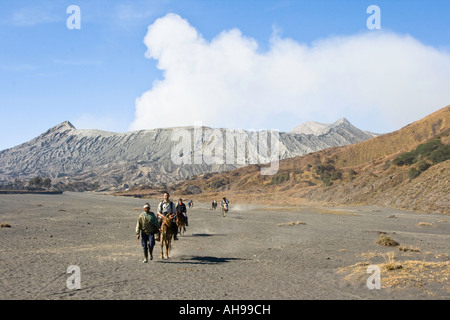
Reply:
x=166 y=235
x=224 y=209
x=181 y=222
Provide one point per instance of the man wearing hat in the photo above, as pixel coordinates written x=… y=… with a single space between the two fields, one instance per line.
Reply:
x=146 y=227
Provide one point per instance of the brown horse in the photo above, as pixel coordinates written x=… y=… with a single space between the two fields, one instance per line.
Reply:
x=224 y=209
x=166 y=235
x=181 y=223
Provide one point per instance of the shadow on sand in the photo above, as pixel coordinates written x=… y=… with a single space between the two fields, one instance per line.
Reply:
x=206 y=260
x=203 y=235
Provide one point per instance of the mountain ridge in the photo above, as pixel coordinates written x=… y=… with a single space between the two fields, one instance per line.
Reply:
x=318 y=129
x=119 y=160
x=364 y=173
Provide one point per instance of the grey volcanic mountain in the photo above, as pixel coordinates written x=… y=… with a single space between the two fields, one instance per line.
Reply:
x=152 y=157
x=342 y=127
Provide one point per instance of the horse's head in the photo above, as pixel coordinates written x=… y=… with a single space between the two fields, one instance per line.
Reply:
x=167 y=220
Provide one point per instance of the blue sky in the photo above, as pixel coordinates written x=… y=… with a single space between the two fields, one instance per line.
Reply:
x=93 y=76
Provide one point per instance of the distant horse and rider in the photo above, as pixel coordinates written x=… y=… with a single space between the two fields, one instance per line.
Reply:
x=181 y=217
x=224 y=205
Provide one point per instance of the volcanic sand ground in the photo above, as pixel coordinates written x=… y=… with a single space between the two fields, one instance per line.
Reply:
x=252 y=253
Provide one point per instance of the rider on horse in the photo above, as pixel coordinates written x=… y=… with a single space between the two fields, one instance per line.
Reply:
x=224 y=204
x=167 y=207
x=181 y=207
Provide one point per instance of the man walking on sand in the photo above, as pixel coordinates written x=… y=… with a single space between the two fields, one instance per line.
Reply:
x=167 y=207
x=146 y=227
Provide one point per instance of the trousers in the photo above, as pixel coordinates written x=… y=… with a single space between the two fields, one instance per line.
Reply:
x=147 y=240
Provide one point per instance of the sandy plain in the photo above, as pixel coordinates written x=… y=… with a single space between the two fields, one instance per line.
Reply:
x=254 y=253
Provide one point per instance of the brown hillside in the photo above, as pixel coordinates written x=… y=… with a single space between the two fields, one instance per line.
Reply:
x=398 y=141
x=361 y=173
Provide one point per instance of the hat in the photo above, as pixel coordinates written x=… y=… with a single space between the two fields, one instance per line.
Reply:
x=146 y=205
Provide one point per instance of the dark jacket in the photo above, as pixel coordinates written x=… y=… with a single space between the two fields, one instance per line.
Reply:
x=181 y=208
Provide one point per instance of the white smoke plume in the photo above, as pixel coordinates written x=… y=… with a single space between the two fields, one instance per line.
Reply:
x=379 y=80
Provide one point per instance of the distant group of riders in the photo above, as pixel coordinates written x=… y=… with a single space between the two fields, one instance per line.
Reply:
x=169 y=220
